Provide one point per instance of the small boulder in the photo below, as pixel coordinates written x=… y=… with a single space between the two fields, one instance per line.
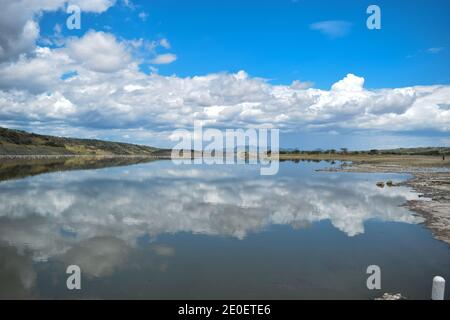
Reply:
x=391 y=296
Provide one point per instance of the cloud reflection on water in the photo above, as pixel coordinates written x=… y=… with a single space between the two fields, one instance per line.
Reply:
x=55 y=214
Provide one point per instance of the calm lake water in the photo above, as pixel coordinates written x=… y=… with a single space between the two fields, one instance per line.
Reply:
x=157 y=231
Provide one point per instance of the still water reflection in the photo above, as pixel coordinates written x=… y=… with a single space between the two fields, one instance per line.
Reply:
x=157 y=230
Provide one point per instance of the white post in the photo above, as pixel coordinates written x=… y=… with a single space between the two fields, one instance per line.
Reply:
x=437 y=292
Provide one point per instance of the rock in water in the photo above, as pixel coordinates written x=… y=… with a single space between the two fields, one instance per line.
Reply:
x=391 y=296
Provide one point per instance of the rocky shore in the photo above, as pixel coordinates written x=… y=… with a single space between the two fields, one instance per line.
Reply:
x=391 y=296
x=433 y=184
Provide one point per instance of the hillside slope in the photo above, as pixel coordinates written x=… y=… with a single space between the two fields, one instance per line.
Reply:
x=16 y=142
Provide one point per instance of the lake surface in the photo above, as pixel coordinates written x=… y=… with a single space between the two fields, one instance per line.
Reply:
x=160 y=231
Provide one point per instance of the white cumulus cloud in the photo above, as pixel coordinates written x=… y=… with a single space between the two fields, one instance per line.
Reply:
x=19 y=27
x=99 y=51
x=110 y=92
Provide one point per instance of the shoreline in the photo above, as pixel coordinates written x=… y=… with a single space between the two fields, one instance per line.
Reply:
x=432 y=183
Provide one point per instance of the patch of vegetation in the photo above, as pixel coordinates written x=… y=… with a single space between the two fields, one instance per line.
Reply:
x=425 y=151
x=16 y=142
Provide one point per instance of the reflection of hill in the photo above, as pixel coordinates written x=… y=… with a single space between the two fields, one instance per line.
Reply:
x=21 y=168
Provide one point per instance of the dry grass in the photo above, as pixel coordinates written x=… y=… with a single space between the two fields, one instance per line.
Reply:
x=403 y=160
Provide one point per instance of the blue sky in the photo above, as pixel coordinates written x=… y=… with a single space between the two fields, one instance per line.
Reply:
x=274 y=42
x=273 y=39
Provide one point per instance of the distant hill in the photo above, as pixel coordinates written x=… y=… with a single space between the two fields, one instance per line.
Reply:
x=426 y=151
x=423 y=151
x=16 y=142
